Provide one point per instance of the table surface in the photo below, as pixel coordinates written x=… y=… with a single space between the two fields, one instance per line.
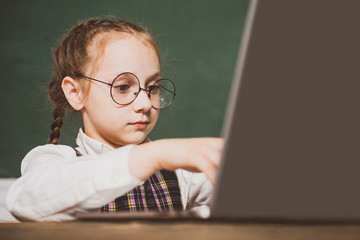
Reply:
x=177 y=230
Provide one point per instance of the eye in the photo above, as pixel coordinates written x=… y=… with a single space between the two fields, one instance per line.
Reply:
x=122 y=88
x=154 y=89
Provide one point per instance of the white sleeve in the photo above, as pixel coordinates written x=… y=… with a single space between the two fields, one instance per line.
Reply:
x=196 y=190
x=55 y=183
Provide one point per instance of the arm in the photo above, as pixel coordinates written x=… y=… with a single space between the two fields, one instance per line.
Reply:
x=55 y=183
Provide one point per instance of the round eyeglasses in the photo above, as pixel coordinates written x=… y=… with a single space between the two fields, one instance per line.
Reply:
x=126 y=87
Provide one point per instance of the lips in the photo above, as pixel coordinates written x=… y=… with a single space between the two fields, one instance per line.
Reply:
x=140 y=124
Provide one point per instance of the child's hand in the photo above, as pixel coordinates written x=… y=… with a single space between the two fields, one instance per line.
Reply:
x=193 y=154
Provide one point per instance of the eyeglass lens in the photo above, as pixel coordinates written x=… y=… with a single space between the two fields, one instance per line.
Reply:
x=126 y=86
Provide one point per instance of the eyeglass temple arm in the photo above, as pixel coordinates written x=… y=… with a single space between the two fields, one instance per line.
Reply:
x=109 y=84
x=168 y=90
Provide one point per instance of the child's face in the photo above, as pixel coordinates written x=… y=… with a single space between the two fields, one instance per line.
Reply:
x=114 y=124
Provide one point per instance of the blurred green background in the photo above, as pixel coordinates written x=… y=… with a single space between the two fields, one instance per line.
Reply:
x=199 y=40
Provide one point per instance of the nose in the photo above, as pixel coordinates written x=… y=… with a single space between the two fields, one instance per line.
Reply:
x=142 y=103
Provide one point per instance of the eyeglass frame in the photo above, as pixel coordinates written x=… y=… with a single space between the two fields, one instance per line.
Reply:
x=148 y=91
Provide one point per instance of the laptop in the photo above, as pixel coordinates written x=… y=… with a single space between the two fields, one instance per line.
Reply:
x=292 y=125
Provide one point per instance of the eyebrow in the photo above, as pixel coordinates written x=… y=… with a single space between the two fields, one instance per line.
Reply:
x=156 y=76
x=153 y=77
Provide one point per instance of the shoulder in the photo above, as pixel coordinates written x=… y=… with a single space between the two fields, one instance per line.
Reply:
x=44 y=154
x=53 y=150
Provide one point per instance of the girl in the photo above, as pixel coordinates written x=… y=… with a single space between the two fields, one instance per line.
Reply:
x=109 y=71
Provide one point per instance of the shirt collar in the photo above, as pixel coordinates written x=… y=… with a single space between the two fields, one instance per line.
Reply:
x=88 y=145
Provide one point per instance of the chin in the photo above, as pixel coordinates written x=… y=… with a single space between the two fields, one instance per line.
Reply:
x=136 y=140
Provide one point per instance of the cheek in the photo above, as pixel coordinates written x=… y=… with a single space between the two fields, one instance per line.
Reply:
x=154 y=116
x=99 y=103
x=100 y=96
x=155 y=113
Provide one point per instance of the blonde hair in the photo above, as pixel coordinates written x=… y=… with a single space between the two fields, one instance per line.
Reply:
x=73 y=57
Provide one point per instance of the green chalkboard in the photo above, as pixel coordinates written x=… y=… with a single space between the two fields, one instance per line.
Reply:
x=199 y=40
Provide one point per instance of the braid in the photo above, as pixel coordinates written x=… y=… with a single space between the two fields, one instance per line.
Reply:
x=58 y=115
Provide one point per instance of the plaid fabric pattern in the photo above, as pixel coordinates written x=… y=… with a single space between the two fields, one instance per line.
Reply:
x=160 y=192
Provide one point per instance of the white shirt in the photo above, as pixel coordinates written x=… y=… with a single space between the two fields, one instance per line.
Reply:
x=55 y=183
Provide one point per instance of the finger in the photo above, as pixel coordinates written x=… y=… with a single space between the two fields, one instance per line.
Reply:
x=207 y=167
x=213 y=150
x=214 y=156
x=211 y=176
x=215 y=143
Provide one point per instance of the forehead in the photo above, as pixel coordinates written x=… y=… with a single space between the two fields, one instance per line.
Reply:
x=121 y=52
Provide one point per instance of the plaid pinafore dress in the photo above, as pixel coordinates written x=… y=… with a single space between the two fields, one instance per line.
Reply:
x=160 y=192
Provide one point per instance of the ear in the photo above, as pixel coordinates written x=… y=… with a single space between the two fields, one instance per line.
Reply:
x=73 y=93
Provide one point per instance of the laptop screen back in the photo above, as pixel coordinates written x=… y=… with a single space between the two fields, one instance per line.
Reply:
x=292 y=126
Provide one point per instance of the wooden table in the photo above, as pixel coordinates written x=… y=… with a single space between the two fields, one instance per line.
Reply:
x=177 y=230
